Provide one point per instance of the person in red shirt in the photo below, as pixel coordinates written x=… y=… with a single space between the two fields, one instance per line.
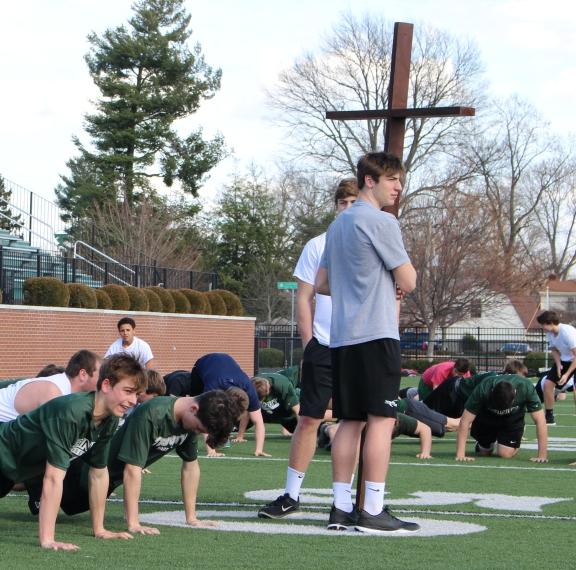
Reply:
x=434 y=376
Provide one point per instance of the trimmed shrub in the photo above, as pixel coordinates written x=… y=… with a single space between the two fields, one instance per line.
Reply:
x=470 y=344
x=165 y=298
x=234 y=306
x=138 y=299
x=181 y=303
x=270 y=358
x=154 y=302
x=82 y=296
x=199 y=304
x=118 y=296
x=103 y=299
x=419 y=364
x=46 y=292
x=217 y=304
x=535 y=360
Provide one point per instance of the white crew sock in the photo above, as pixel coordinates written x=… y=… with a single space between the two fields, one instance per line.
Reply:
x=373 y=497
x=343 y=496
x=294 y=480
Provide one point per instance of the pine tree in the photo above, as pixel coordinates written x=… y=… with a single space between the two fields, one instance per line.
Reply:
x=8 y=219
x=148 y=78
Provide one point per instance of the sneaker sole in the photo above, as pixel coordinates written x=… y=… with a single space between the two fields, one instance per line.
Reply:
x=339 y=527
x=369 y=530
x=276 y=517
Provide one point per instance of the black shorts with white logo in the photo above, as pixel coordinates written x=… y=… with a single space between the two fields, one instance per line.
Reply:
x=552 y=374
x=316 y=382
x=507 y=431
x=366 y=379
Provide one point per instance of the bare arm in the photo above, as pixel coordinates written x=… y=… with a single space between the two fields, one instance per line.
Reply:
x=49 y=506
x=132 y=487
x=98 y=489
x=425 y=434
x=542 y=436
x=35 y=394
x=305 y=310
x=564 y=378
x=321 y=284
x=259 y=432
x=190 y=480
x=463 y=429
x=150 y=363
x=405 y=277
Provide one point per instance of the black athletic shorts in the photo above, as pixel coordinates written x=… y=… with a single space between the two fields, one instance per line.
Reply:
x=446 y=399
x=506 y=431
x=5 y=485
x=552 y=374
x=316 y=381
x=366 y=379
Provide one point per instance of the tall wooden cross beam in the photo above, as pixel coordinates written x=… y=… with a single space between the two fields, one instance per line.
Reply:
x=396 y=116
x=397 y=113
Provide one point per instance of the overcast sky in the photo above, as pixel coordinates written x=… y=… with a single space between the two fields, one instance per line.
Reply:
x=528 y=48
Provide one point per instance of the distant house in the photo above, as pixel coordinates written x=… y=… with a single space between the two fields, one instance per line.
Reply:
x=559 y=296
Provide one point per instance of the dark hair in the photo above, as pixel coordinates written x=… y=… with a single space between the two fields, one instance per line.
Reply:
x=548 y=318
x=516 y=367
x=156 y=384
x=120 y=366
x=346 y=187
x=374 y=164
x=82 y=360
x=261 y=385
x=50 y=370
x=461 y=365
x=219 y=411
x=502 y=396
x=126 y=321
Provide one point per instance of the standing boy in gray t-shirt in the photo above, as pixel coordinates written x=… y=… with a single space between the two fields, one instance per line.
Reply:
x=364 y=261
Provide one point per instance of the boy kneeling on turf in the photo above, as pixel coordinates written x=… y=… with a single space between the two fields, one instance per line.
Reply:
x=45 y=440
x=155 y=428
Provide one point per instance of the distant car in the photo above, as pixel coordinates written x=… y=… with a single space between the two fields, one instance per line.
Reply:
x=411 y=340
x=515 y=348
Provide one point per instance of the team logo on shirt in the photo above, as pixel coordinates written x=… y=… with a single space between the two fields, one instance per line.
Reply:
x=270 y=405
x=168 y=443
x=81 y=446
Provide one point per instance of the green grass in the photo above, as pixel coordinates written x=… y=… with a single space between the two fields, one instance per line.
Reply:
x=512 y=539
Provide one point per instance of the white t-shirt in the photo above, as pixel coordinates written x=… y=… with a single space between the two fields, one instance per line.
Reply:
x=139 y=349
x=8 y=394
x=306 y=270
x=563 y=342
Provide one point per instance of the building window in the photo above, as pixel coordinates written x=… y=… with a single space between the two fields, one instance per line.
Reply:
x=571 y=304
x=475 y=310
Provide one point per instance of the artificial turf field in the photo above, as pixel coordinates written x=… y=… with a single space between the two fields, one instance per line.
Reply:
x=513 y=513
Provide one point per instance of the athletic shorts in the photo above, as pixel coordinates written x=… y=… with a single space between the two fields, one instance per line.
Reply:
x=446 y=399
x=421 y=412
x=5 y=485
x=316 y=381
x=366 y=379
x=506 y=431
x=552 y=374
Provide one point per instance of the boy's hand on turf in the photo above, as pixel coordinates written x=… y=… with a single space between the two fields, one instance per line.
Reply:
x=143 y=530
x=60 y=546
x=539 y=459
x=197 y=523
x=464 y=458
x=108 y=535
x=261 y=454
x=423 y=456
x=214 y=453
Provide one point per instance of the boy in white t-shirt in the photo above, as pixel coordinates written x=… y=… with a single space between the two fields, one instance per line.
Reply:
x=313 y=315
x=562 y=342
x=129 y=343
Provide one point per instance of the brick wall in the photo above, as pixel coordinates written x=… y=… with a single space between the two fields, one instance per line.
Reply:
x=31 y=337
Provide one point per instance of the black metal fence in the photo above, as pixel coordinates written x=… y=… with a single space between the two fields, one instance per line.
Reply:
x=17 y=265
x=278 y=346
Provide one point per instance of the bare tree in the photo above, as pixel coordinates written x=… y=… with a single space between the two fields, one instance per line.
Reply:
x=351 y=71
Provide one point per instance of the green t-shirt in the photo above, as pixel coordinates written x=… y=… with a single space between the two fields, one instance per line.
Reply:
x=57 y=432
x=292 y=373
x=149 y=433
x=467 y=385
x=282 y=398
x=526 y=398
x=405 y=425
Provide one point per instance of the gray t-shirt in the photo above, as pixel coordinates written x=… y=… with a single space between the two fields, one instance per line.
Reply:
x=363 y=246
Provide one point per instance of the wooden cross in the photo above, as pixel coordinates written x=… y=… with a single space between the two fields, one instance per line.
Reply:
x=396 y=116
x=397 y=113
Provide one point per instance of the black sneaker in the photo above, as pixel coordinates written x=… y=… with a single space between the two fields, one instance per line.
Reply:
x=384 y=523
x=550 y=419
x=282 y=507
x=341 y=520
x=34 y=506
